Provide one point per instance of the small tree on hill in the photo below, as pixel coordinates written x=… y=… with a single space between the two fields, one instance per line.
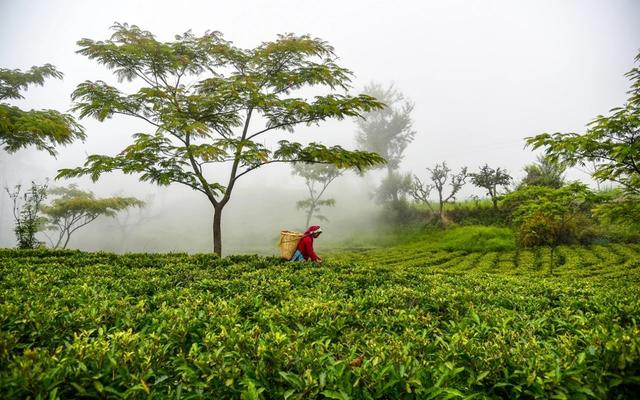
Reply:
x=317 y=179
x=492 y=180
x=201 y=95
x=441 y=176
x=74 y=208
x=388 y=132
x=545 y=216
x=43 y=129
x=26 y=212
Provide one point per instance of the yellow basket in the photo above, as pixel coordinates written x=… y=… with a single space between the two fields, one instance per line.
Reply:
x=289 y=243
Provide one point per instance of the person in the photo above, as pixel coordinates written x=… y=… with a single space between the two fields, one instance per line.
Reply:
x=305 y=245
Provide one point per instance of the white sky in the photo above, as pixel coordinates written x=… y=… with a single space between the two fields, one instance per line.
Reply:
x=483 y=74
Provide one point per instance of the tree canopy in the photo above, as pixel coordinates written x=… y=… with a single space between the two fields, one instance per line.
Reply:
x=389 y=130
x=43 y=129
x=492 y=180
x=546 y=216
x=202 y=95
x=73 y=208
x=611 y=142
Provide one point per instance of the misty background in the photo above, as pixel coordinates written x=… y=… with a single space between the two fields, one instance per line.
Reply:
x=483 y=76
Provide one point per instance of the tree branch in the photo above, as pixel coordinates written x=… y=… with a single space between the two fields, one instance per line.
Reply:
x=305 y=121
x=236 y=161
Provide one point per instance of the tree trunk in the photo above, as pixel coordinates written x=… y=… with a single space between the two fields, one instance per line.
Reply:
x=217 y=230
x=441 y=209
x=60 y=237
x=66 y=242
x=309 y=215
x=394 y=190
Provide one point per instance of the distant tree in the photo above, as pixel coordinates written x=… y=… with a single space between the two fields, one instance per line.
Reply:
x=421 y=192
x=611 y=142
x=43 y=129
x=130 y=219
x=388 y=132
x=317 y=179
x=492 y=180
x=545 y=216
x=201 y=95
x=545 y=172
x=26 y=212
x=441 y=176
x=74 y=208
x=394 y=187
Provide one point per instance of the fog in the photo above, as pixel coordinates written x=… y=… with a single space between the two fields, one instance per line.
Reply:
x=483 y=76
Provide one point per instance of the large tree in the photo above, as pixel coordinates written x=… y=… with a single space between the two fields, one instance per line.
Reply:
x=611 y=143
x=43 y=129
x=204 y=98
x=388 y=132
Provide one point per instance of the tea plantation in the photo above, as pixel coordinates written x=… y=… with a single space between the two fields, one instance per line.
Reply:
x=402 y=322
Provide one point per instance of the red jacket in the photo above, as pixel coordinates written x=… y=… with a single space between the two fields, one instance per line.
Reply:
x=306 y=248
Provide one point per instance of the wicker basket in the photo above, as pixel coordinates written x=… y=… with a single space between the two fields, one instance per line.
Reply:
x=289 y=243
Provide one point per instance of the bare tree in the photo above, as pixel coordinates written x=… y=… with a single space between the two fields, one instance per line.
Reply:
x=441 y=176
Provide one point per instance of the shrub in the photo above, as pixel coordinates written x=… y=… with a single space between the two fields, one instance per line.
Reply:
x=547 y=216
x=478 y=215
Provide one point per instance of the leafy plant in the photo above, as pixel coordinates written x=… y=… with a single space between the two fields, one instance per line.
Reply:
x=544 y=216
x=43 y=129
x=26 y=209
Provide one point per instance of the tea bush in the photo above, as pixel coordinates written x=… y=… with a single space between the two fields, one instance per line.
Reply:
x=403 y=322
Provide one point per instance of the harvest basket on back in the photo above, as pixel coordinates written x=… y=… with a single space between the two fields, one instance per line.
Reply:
x=289 y=243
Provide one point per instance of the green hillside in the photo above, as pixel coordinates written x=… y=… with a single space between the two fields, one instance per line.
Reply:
x=410 y=321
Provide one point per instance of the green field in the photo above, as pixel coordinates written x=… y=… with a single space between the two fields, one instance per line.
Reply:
x=409 y=321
